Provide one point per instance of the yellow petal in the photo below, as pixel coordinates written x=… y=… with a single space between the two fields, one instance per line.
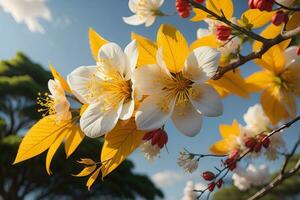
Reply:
x=259 y=80
x=73 y=138
x=52 y=150
x=199 y=15
x=273 y=60
x=86 y=171
x=118 y=144
x=147 y=50
x=59 y=78
x=174 y=46
x=39 y=138
x=86 y=161
x=231 y=83
x=92 y=179
x=209 y=40
x=96 y=42
x=221 y=147
x=217 y=5
x=230 y=131
x=257 y=18
x=272 y=106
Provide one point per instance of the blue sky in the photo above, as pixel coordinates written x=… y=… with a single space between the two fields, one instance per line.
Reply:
x=65 y=45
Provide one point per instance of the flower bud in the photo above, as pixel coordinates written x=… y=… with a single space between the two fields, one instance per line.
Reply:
x=183 y=8
x=265 y=141
x=250 y=143
x=199 y=1
x=159 y=138
x=208 y=176
x=279 y=18
x=211 y=186
x=298 y=51
x=257 y=147
x=261 y=4
x=219 y=183
x=232 y=166
x=223 y=32
x=234 y=154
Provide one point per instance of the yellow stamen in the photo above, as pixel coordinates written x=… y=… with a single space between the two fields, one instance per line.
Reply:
x=47 y=103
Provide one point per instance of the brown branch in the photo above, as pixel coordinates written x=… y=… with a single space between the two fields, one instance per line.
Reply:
x=280 y=178
x=286 y=7
x=254 y=55
x=229 y=23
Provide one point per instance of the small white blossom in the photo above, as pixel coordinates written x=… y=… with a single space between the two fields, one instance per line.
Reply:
x=187 y=162
x=150 y=151
x=189 y=193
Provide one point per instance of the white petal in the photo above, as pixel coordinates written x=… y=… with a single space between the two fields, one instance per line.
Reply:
x=78 y=81
x=132 y=56
x=153 y=112
x=114 y=55
x=201 y=64
x=134 y=20
x=157 y=3
x=95 y=123
x=55 y=89
x=132 y=5
x=187 y=120
x=206 y=100
x=150 y=20
x=202 y=32
x=161 y=62
x=291 y=57
x=149 y=79
x=127 y=110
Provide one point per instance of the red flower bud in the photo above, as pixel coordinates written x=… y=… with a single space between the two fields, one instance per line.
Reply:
x=232 y=166
x=250 y=143
x=261 y=4
x=219 y=183
x=298 y=51
x=158 y=137
x=211 y=186
x=257 y=147
x=234 y=154
x=208 y=176
x=265 y=141
x=279 y=18
x=183 y=8
x=199 y=1
x=223 y=32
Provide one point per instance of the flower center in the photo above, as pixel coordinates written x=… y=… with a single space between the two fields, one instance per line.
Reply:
x=145 y=8
x=180 y=88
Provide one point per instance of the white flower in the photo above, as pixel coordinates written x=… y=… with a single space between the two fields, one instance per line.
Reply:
x=56 y=102
x=183 y=96
x=256 y=120
x=187 y=162
x=189 y=193
x=252 y=176
x=150 y=151
x=145 y=11
x=106 y=88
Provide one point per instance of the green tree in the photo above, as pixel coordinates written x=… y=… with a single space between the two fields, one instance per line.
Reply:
x=20 y=81
x=288 y=190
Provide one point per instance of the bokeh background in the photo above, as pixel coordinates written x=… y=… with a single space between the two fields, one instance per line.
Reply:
x=56 y=32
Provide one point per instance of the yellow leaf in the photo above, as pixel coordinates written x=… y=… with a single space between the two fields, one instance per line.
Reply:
x=96 y=42
x=221 y=147
x=230 y=131
x=257 y=18
x=217 y=5
x=199 y=15
x=86 y=171
x=209 y=40
x=59 y=78
x=118 y=144
x=174 y=47
x=259 y=80
x=272 y=105
x=92 y=179
x=53 y=148
x=147 y=50
x=294 y=21
x=231 y=83
x=73 y=138
x=86 y=161
x=39 y=138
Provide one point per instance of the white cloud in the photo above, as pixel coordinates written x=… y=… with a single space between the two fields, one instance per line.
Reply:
x=188 y=191
x=167 y=178
x=28 y=12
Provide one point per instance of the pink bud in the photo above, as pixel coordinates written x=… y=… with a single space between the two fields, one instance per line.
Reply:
x=223 y=32
x=261 y=4
x=208 y=176
x=250 y=143
x=265 y=141
x=298 y=51
x=159 y=138
x=211 y=186
x=279 y=18
x=219 y=183
x=257 y=147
